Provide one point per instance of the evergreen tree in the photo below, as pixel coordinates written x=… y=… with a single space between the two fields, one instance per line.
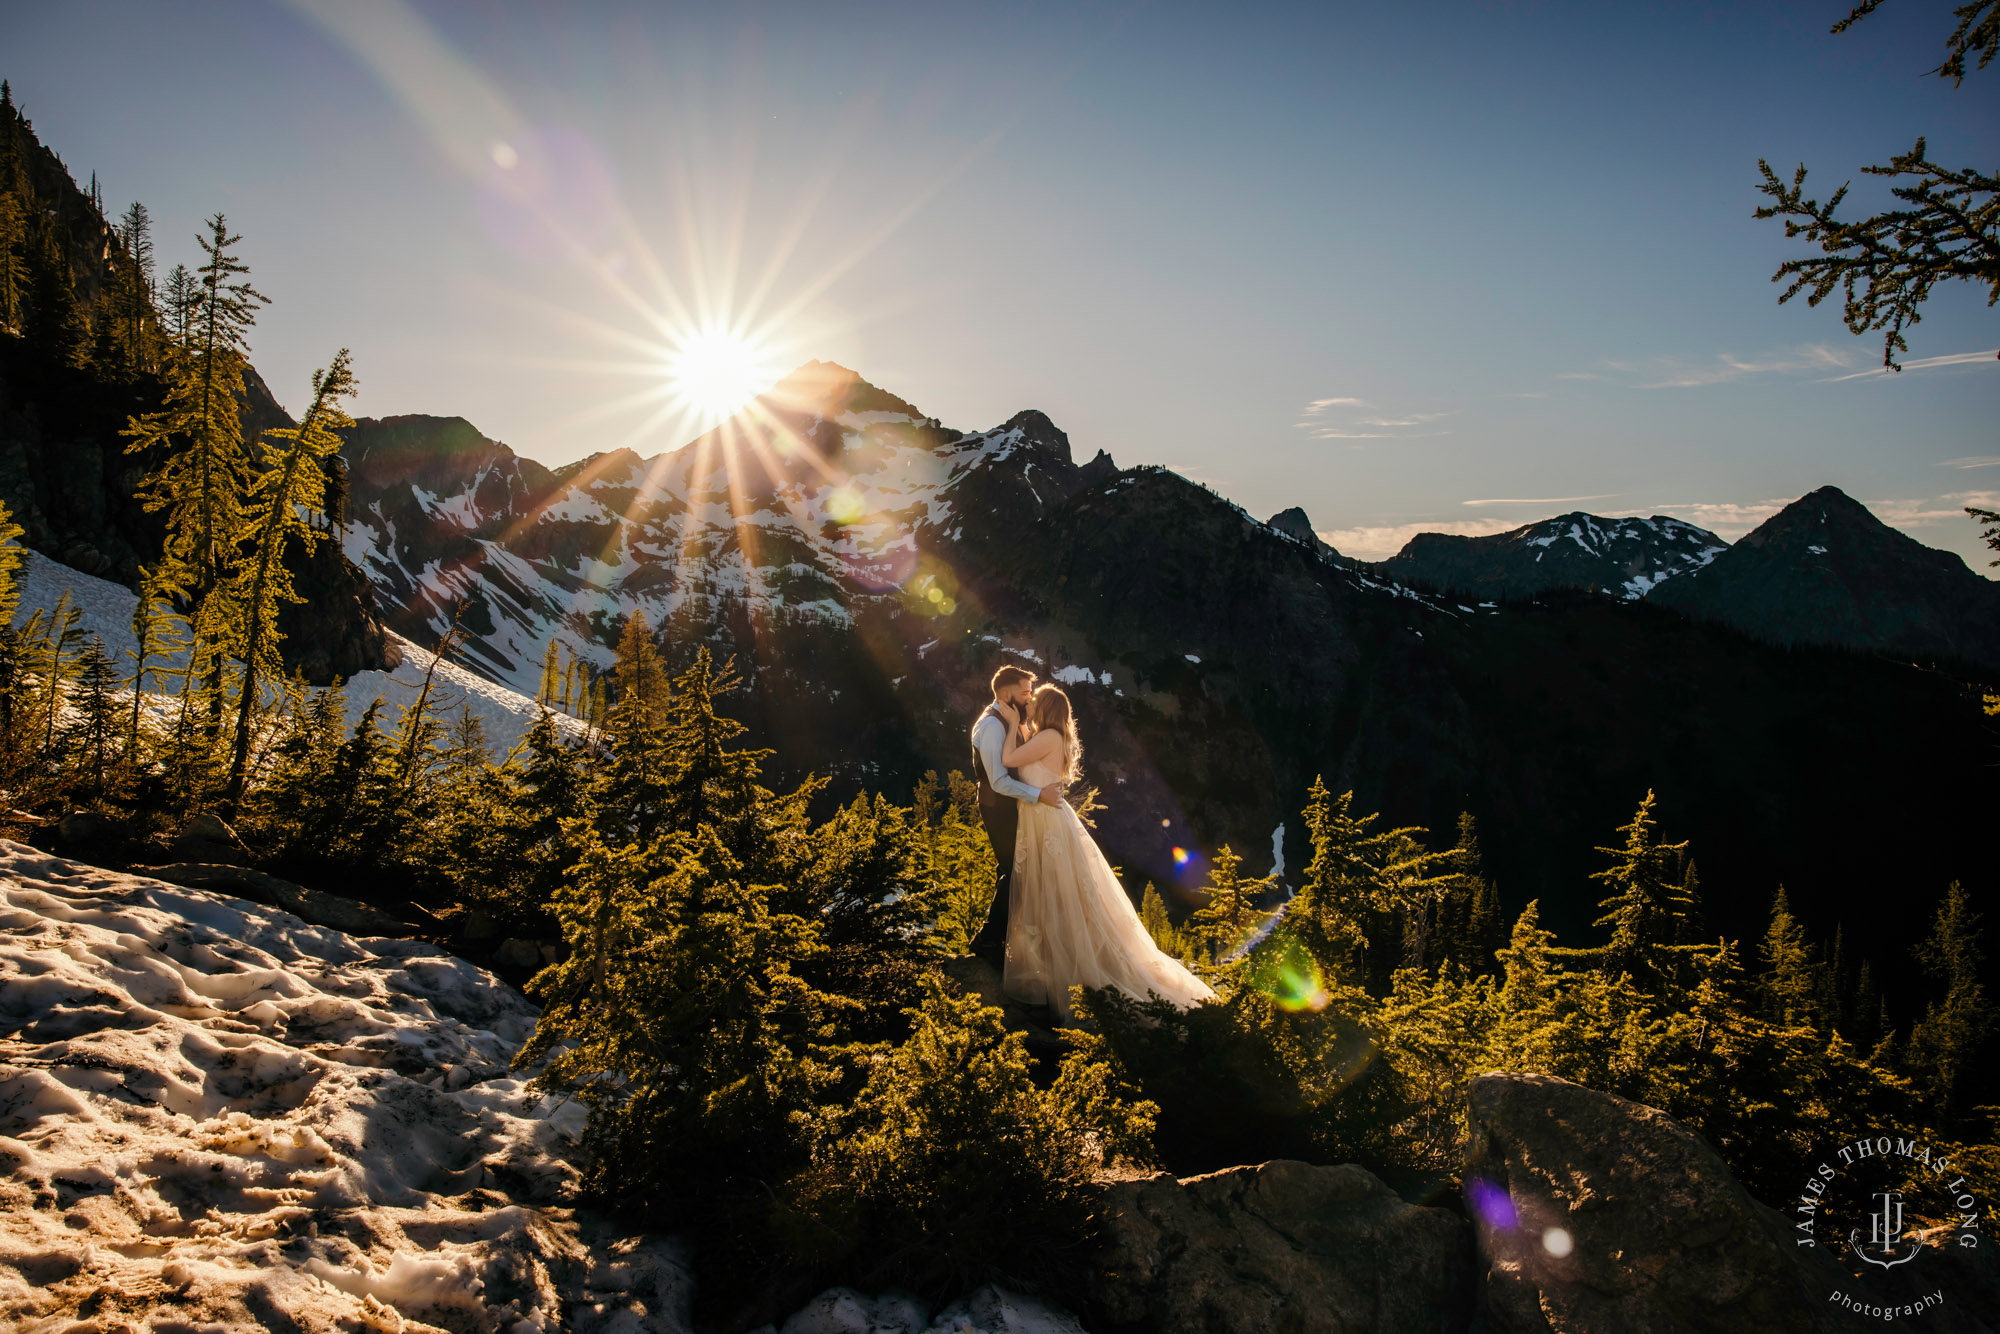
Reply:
x=1789 y=973
x=705 y=780
x=1648 y=906
x=92 y=732
x=961 y=861
x=1947 y=1042
x=632 y=798
x=951 y=1167
x=1230 y=913
x=13 y=261
x=132 y=295
x=203 y=467
x=180 y=298
x=281 y=506
x=1153 y=913
x=153 y=631
x=679 y=1019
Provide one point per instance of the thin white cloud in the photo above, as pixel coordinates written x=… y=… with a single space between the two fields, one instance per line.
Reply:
x=1414 y=419
x=1538 y=393
x=1727 y=519
x=1384 y=541
x=1920 y=364
x=1972 y=461
x=1539 y=500
x=1946 y=507
x=1324 y=425
x=1668 y=372
x=1319 y=405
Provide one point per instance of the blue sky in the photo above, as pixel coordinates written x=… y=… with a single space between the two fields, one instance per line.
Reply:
x=1451 y=268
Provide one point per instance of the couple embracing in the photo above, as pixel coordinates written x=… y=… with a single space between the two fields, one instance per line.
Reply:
x=1060 y=917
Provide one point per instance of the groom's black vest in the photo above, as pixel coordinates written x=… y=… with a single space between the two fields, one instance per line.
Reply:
x=987 y=796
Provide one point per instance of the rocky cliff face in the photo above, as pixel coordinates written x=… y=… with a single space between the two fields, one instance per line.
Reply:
x=1824 y=570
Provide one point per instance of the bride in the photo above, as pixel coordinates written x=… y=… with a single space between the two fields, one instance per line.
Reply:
x=1071 y=921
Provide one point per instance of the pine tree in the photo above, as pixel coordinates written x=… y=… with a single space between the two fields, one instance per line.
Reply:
x=1648 y=904
x=547 y=690
x=13 y=261
x=1153 y=913
x=680 y=1020
x=154 y=625
x=1226 y=919
x=180 y=298
x=203 y=468
x=1947 y=1042
x=134 y=294
x=705 y=780
x=281 y=506
x=1789 y=973
x=91 y=734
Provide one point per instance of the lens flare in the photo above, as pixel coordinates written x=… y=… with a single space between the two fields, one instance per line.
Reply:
x=1492 y=1205
x=1181 y=857
x=1557 y=1242
x=1285 y=972
x=844 y=506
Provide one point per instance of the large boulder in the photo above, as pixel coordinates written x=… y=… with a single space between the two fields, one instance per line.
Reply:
x=1280 y=1246
x=1596 y=1215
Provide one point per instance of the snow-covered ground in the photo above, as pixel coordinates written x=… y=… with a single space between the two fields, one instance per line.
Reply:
x=214 y=1116
x=212 y=1113
x=106 y=611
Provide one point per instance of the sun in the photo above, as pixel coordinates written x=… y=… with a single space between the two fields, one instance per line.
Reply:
x=713 y=372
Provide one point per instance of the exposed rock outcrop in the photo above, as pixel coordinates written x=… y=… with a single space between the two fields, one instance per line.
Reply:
x=1599 y=1215
x=1280 y=1246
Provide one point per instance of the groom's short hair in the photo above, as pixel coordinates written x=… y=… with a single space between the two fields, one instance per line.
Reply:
x=1010 y=675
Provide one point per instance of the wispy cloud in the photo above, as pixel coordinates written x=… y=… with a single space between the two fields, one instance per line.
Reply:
x=1727 y=519
x=1674 y=373
x=1921 y=364
x=1948 y=506
x=1971 y=461
x=1537 y=393
x=1380 y=543
x=1321 y=424
x=1539 y=500
x=1319 y=405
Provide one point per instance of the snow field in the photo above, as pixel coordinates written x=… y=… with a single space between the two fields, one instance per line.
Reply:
x=211 y=1112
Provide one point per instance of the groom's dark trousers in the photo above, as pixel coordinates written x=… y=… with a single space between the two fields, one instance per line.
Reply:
x=1001 y=816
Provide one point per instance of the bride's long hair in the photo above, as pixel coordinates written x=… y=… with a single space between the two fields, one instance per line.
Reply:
x=1050 y=708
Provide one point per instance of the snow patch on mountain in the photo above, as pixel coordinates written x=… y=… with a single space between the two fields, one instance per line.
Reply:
x=105 y=610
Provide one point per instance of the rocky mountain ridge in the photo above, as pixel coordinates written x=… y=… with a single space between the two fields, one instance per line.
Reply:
x=868 y=568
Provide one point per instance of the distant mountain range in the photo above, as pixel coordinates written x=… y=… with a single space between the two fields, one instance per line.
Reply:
x=869 y=567
x=1823 y=570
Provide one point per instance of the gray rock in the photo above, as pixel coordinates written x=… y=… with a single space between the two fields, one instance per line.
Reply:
x=80 y=827
x=1281 y=1246
x=1603 y=1216
x=515 y=952
x=209 y=827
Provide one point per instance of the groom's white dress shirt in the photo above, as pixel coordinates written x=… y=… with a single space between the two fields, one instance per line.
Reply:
x=989 y=738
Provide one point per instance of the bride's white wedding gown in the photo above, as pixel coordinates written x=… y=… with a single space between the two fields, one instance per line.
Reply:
x=1070 y=921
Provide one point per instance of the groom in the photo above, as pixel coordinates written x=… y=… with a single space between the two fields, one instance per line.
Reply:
x=1000 y=788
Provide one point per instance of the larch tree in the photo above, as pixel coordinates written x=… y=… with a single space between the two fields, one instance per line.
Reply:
x=204 y=467
x=1886 y=266
x=282 y=506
